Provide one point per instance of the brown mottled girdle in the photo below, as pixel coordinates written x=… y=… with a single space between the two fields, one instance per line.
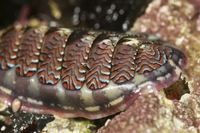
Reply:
x=73 y=73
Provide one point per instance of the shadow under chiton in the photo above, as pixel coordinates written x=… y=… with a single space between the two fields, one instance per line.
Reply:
x=81 y=73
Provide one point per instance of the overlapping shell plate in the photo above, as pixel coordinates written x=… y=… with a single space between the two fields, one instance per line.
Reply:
x=74 y=73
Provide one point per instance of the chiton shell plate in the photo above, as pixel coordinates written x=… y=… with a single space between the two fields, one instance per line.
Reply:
x=82 y=73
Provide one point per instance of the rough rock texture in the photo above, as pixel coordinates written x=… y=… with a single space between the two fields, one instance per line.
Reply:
x=151 y=112
x=60 y=125
x=174 y=21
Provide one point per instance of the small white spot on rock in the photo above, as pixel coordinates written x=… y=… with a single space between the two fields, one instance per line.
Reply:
x=107 y=122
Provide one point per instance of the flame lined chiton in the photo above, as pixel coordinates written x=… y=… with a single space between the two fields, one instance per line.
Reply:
x=78 y=73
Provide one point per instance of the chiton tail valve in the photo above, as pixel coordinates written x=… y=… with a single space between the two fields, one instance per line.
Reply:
x=81 y=73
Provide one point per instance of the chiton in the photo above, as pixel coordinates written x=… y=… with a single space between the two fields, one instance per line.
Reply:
x=82 y=73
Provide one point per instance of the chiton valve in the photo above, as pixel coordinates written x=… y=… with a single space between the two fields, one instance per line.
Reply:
x=82 y=73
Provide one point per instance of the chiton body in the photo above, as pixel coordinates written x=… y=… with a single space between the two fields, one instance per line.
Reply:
x=81 y=73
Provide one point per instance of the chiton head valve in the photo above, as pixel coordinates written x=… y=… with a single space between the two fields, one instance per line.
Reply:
x=80 y=73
